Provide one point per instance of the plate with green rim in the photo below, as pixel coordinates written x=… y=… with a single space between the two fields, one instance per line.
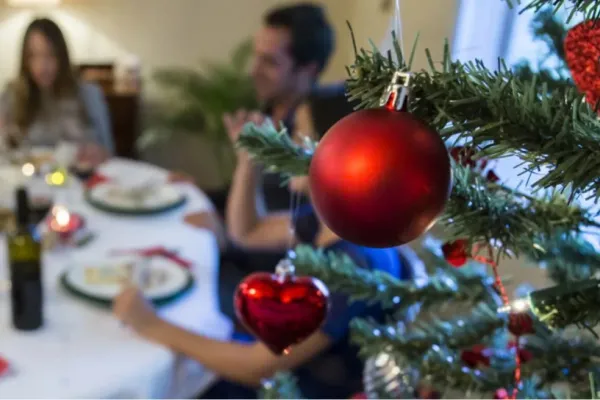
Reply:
x=101 y=281
x=113 y=198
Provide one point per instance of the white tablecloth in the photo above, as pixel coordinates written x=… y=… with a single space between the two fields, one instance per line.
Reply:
x=82 y=351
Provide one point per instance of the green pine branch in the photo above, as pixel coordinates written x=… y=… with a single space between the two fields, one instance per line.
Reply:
x=374 y=338
x=495 y=111
x=281 y=386
x=435 y=349
x=570 y=303
x=339 y=272
x=567 y=258
x=275 y=149
x=589 y=8
x=482 y=211
x=557 y=357
x=477 y=209
x=552 y=351
x=443 y=367
x=546 y=27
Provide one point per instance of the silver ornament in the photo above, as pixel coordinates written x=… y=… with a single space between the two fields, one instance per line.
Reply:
x=388 y=377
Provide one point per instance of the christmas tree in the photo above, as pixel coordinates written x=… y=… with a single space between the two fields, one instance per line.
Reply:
x=500 y=347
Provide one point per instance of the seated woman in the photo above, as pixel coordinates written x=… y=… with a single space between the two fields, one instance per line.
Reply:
x=326 y=363
x=47 y=104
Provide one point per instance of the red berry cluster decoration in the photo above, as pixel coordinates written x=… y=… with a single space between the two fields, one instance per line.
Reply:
x=456 y=252
x=478 y=355
x=465 y=156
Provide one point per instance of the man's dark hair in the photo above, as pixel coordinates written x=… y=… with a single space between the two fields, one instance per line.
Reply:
x=311 y=34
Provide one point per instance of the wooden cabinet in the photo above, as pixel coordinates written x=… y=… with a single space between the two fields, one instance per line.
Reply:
x=124 y=107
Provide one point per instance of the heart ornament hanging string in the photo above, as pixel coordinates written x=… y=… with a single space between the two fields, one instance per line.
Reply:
x=282 y=309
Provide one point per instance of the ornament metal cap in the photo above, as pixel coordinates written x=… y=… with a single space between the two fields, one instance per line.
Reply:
x=285 y=268
x=396 y=95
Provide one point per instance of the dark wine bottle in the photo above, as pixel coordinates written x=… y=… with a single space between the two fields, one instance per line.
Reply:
x=25 y=264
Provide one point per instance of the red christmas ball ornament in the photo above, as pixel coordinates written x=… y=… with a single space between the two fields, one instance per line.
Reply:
x=520 y=323
x=359 y=396
x=456 y=252
x=380 y=178
x=281 y=309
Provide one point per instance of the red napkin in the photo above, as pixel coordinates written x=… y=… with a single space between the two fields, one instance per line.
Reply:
x=4 y=367
x=159 y=251
x=96 y=179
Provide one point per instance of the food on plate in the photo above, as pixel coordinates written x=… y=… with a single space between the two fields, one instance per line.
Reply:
x=146 y=277
x=105 y=275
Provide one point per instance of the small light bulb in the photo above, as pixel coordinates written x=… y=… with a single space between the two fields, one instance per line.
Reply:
x=519 y=305
x=28 y=169
x=56 y=178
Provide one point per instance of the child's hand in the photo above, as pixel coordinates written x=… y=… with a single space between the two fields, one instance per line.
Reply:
x=131 y=308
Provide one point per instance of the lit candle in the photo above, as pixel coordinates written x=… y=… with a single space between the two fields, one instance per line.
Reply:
x=63 y=222
x=61 y=218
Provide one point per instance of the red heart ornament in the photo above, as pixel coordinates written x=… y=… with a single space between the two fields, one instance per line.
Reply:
x=582 y=53
x=281 y=310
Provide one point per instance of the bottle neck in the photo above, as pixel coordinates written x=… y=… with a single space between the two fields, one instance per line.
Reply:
x=22 y=219
x=23 y=211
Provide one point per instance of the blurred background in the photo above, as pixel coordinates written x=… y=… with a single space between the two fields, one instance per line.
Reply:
x=150 y=54
x=147 y=37
x=137 y=48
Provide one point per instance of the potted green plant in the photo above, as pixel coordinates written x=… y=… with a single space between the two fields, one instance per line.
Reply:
x=193 y=102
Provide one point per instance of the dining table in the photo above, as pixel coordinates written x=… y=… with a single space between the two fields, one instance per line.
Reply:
x=82 y=351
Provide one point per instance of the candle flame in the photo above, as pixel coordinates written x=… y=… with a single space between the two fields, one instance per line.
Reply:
x=61 y=216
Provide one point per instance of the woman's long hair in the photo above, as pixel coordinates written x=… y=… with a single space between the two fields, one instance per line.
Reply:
x=27 y=93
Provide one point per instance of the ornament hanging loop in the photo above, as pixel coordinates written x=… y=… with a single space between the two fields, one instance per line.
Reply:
x=396 y=95
x=285 y=269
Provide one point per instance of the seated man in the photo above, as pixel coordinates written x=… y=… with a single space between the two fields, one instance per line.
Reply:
x=326 y=364
x=291 y=50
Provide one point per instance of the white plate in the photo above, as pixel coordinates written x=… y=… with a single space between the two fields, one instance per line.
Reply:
x=167 y=278
x=115 y=196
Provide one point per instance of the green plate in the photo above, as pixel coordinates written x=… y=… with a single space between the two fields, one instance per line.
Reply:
x=101 y=301
x=128 y=211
